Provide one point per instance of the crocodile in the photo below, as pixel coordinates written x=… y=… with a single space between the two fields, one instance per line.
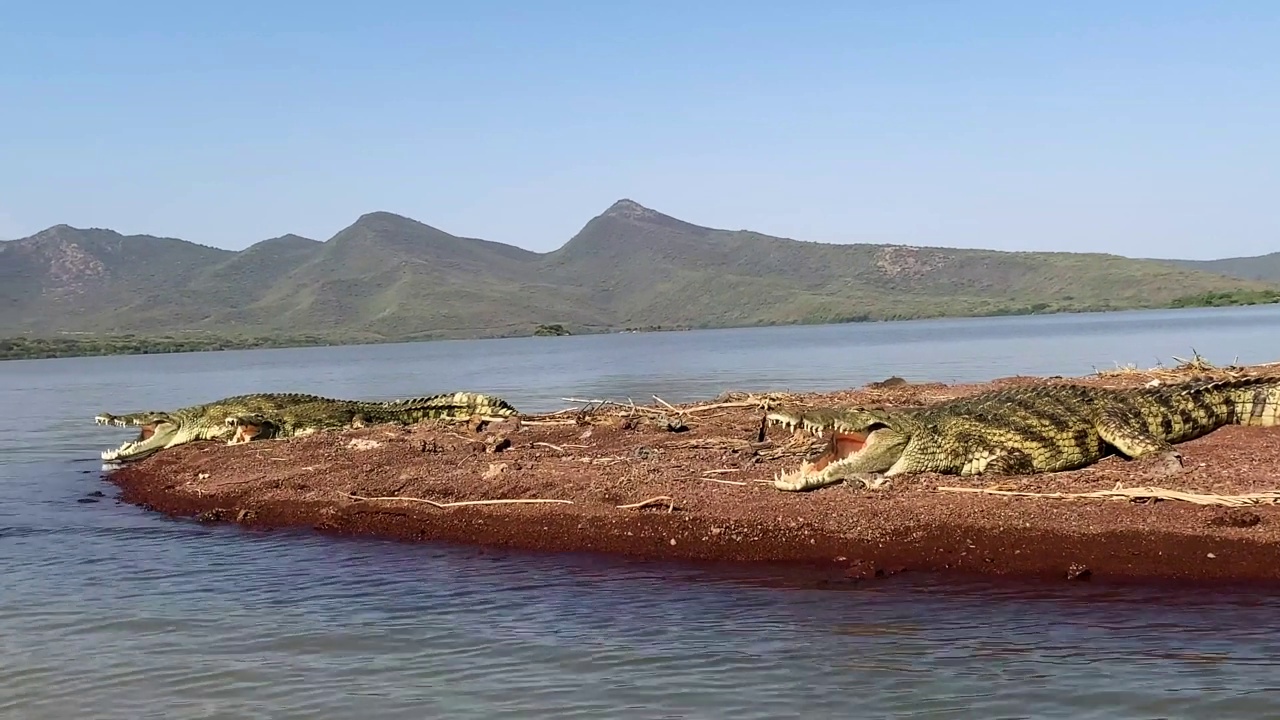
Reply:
x=1022 y=431
x=264 y=416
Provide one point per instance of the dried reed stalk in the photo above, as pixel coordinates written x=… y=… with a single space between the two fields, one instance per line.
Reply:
x=671 y=504
x=1138 y=493
x=459 y=503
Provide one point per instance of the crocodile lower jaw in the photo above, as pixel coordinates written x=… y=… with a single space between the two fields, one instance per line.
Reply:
x=803 y=478
x=782 y=480
x=115 y=453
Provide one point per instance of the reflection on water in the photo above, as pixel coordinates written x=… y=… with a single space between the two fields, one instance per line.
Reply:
x=111 y=612
x=190 y=620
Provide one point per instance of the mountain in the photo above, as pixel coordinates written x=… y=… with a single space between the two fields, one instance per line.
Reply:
x=649 y=268
x=390 y=277
x=65 y=278
x=1258 y=267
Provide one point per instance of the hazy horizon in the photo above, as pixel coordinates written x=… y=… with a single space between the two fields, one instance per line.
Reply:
x=1141 y=129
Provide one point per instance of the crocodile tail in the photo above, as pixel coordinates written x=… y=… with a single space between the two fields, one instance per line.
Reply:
x=445 y=405
x=1254 y=400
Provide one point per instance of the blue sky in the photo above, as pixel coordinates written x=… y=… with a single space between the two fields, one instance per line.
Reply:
x=1141 y=128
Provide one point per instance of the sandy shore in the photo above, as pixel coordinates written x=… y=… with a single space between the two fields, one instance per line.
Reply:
x=710 y=475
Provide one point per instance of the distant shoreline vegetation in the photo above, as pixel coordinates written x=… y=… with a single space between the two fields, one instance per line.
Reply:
x=35 y=348
x=1225 y=299
x=81 y=345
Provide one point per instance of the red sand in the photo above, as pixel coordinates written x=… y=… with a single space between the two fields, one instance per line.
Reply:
x=602 y=459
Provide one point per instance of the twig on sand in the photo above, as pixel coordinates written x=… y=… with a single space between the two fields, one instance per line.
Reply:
x=459 y=503
x=601 y=403
x=764 y=450
x=715 y=443
x=721 y=471
x=1137 y=493
x=724 y=482
x=671 y=504
x=665 y=404
x=464 y=437
x=665 y=408
x=606 y=461
x=1186 y=368
x=221 y=485
x=720 y=406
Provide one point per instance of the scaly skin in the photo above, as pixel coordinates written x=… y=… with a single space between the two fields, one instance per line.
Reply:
x=263 y=416
x=1024 y=430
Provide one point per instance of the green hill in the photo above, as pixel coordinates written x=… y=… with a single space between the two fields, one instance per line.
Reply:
x=651 y=269
x=387 y=277
x=1259 y=267
x=64 y=278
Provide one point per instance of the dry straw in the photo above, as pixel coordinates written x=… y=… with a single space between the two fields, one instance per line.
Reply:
x=1135 y=494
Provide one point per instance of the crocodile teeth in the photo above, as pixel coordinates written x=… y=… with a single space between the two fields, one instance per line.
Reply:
x=786 y=422
x=114 y=453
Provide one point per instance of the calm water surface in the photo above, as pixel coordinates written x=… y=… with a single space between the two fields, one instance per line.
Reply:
x=107 y=611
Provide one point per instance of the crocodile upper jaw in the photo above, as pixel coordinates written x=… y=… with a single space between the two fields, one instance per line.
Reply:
x=152 y=437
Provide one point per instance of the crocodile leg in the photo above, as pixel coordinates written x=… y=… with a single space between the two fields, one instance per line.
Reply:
x=1126 y=431
x=1009 y=461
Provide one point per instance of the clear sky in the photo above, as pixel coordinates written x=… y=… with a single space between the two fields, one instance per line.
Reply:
x=1145 y=127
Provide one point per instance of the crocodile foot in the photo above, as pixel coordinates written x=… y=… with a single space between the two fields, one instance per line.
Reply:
x=1168 y=463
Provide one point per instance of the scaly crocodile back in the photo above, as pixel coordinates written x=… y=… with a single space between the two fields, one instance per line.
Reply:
x=457 y=404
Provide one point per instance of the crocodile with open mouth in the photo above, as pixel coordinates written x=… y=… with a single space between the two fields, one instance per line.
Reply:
x=262 y=416
x=1027 y=430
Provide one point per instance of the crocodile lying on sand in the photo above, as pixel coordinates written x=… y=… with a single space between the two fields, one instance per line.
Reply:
x=263 y=416
x=1023 y=430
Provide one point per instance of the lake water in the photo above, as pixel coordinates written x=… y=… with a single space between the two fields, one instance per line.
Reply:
x=107 y=611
